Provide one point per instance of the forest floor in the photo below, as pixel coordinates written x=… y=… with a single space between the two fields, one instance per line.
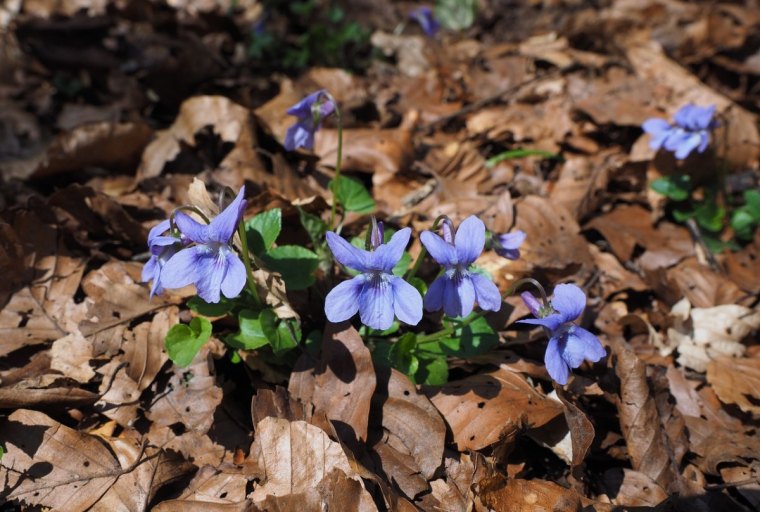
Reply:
x=528 y=116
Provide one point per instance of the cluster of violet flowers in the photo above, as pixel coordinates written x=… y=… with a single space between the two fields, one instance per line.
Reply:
x=690 y=130
x=185 y=251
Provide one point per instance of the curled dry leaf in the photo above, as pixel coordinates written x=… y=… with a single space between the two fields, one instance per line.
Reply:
x=631 y=488
x=52 y=465
x=412 y=443
x=701 y=334
x=213 y=489
x=736 y=381
x=183 y=411
x=648 y=446
x=342 y=383
x=702 y=286
x=383 y=152
x=296 y=458
x=486 y=408
x=531 y=495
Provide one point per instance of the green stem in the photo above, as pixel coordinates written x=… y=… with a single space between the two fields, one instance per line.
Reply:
x=338 y=160
x=247 y=262
x=423 y=252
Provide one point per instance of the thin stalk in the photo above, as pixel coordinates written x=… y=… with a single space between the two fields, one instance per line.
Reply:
x=247 y=263
x=188 y=208
x=338 y=160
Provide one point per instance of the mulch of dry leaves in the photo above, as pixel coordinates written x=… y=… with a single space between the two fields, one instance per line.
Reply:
x=111 y=109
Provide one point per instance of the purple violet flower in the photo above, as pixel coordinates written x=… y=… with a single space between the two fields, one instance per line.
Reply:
x=376 y=293
x=569 y=344
x=212 y=265
x=457 y=289
x=310 y=111
x=691 y=130
x=508 y=244
x=162 y=248
x=424 y=16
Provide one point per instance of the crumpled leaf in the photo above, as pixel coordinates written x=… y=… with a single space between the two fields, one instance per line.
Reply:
x=701 y=334
x=736 y=381
x=52 y=465
x=483 y=409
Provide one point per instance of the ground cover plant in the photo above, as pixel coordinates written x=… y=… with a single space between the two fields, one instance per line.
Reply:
x=330 y=255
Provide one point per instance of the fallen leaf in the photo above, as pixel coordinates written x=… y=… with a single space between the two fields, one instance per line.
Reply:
x=52 y=465
x=532 y=496
x=483 y=409
x=736 y=381
x=630 y=488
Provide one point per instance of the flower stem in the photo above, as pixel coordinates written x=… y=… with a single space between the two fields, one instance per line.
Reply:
x=338 y=160
x=188 y=208
x=423 y=252
x=247 y=262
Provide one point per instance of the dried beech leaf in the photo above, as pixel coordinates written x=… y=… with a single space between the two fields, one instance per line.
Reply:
x=342 y=383
x=295 y=457
x=631 y=488
x=701 y=334
x=639 y=420
x=736 y=381
x=51 y=465
x=532 y=495
x=483 y=409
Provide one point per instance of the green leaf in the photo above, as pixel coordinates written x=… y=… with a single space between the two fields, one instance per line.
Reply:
x=675 y=187
x=752 y=203
x=402 y=356
x=433 y=372
x=418 y=283
x=682 y=215
x=455 y=14
x=467 y=341
x=203 y=308
x=183 y=341
x=283 y=335
x=521 y=153
x=262 y=230
x=295 y=263
x=352 y=195
x=743 y=223
x=716 y=246
x=314 y=226
x=251 y=335
x=403 y=265
x=710 y=216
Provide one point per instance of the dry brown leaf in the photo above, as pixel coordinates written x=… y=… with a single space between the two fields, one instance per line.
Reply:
x=741 y=266
x=648 y=446
x=342 y=383
x=532 y=496
x=383 y=152
x=582 y=182
x=702 y=286
x=44 y=310
x=55 y=466
x=630 y=488
x=71 y=356
x=413 y=433
x=736 y=381
x=144 y=347
x=296 y=457
x=105 y=144
x=700 y=334
x=486 y=408
x=25 y=395
x=209 y=487
x=408 y=50
x=187 y=404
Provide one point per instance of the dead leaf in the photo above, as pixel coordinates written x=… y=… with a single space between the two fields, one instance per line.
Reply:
x=296 y=457
x=71 y=356
x=51 y=465
x=342 y=383
x=736 y=381
x=630 y=488
x=700 y=334
x=640 y=423
x=532 y=496
x=486 y=408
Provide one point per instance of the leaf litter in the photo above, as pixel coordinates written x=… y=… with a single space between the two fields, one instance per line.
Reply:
x=112 y=111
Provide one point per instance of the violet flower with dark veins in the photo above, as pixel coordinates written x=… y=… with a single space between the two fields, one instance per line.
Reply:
x=690 y=131
x=162 y=248
x=376 y=293
x=569 y=344
x=212 y=265
x=508 y=244
x=310 y=111
x=457 y=289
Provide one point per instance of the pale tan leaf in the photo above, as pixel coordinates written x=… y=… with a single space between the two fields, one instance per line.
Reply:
x=736 y=381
